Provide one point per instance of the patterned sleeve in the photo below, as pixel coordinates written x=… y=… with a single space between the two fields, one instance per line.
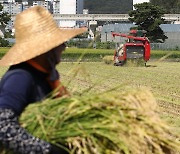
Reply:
x=15 y=138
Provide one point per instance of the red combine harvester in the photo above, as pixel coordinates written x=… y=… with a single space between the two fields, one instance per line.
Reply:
x=137 y=47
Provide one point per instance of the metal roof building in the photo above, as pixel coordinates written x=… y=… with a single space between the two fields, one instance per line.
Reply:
x=172 y=31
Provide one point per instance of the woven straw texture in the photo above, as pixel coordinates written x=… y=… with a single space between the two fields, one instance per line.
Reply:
x=36 y=32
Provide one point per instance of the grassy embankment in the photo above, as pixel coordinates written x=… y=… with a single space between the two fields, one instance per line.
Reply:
x=74 y=54
x=97 y=54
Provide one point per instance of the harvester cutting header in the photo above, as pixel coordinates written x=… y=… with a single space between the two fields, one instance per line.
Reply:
x=137 y=47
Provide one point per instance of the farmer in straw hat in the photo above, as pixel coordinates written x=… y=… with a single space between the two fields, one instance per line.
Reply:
x=31 y=76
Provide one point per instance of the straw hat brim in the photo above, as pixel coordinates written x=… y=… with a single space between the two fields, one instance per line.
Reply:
x=28 y=49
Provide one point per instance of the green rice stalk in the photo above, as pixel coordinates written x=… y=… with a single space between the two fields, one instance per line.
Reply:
x=108 y=123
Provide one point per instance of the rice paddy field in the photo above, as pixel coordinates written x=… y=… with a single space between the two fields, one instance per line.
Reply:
x=161 y=77
x=88 y=74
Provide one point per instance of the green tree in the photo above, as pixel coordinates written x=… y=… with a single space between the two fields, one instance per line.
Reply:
x=148 y=17
x=4 y=19
x=3 y=42
x=172 y=6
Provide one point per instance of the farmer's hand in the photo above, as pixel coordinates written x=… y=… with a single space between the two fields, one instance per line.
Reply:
x=57 y=150
x=63 y=91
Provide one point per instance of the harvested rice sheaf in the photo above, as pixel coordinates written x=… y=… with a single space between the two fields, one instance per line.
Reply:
x=108 y=123
x=108 y=59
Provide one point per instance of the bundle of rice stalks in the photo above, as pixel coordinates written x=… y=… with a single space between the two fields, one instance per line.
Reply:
x=108 y=59
x=108 y=123
x=135 y=62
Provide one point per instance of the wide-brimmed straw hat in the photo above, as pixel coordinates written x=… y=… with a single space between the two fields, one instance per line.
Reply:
x=36 y=32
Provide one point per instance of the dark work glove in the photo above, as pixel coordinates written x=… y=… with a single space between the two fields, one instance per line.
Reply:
x=57 y=150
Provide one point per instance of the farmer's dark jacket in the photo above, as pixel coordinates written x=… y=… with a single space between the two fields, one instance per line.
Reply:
x=21 y=85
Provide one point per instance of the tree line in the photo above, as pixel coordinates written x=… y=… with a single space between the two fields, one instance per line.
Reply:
x=171 y=6
x=124 y=6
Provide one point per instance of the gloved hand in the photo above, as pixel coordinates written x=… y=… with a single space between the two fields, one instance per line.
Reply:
x=57 y=150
